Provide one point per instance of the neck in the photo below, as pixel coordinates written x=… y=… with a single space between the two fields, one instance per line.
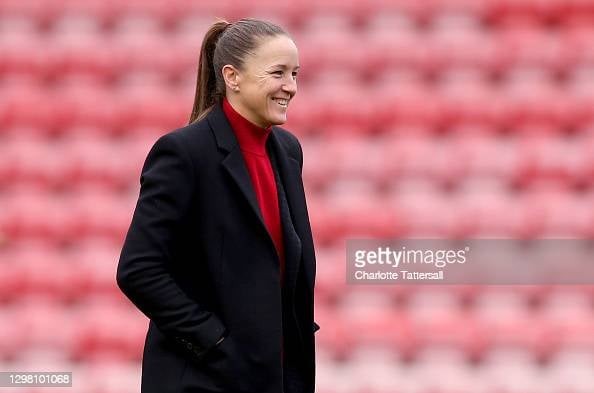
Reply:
x=241 y=110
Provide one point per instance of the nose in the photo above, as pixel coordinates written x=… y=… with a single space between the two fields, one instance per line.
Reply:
x=290 y=87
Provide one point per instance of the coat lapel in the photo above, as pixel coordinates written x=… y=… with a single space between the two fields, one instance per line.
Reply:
x=291 y=240
x=234 y=163
x=288 y=170
x=290 y=173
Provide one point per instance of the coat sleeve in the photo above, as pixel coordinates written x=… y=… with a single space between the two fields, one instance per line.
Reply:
x=166 y=188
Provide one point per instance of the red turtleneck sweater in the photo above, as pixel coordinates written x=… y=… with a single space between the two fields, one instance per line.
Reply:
x=252 y=142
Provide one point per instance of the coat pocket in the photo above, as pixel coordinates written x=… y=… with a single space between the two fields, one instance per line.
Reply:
x=221 y=362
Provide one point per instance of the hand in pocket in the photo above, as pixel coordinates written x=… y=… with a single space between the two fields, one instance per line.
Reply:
x=219 y=360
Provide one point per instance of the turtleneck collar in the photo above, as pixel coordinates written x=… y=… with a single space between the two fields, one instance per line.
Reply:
x=251 y=137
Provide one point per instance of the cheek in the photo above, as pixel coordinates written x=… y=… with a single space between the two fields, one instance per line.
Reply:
x=271 y=87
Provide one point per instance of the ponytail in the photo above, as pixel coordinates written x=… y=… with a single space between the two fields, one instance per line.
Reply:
x=206 y=90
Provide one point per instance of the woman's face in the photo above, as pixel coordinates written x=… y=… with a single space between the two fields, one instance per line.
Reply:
x=266 y=79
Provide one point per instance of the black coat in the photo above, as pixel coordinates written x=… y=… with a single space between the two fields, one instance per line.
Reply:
x=199 y=262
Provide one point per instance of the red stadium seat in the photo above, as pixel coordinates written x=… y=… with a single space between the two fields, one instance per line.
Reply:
x=114 y=164
x=447 y=46
x=336 y=105
x=324 y=47
x=150 y=106
x=481 y=154
x=78 y=49
x=510 y=369
x=509 y=12
x=330 y=273
x=48 y=273
x=483 y=209
x=464 y=97
x=570 y=369
x=354 y=210
x=505 y=321
x=45 y=170
x=105 y=373
x=438 y=321
x=387 y=47
x=81 y=105
x=13 y=335
x=97 y=262
x=32 y=215
x=102 y=214
x=329 y=17
x=45 y=322
x=119 y=337
x=354 y=157
x=409 y=156
x=408 y=105
x=373 y=369
x=446 y=370
x=422 y=12
x=17 y=103
x=12 y=279
x=22 y=51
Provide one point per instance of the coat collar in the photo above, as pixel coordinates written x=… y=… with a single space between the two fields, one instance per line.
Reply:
x=251 y=137
x=289 y=172
x=226 y=140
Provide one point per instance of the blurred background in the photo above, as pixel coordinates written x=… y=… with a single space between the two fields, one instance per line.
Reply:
x=437 y=118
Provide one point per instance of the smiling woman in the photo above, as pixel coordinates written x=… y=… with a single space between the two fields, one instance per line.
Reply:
x=250 y=70
x=219 y=255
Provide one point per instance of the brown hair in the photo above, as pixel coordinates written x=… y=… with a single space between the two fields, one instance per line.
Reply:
x=225 y=43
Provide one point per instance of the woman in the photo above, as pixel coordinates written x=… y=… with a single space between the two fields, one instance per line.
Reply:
x=219 y=255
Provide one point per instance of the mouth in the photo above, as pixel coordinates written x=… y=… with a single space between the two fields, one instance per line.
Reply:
x=282 y=102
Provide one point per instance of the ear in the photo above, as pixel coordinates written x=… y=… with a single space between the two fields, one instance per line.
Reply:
x=231 y=77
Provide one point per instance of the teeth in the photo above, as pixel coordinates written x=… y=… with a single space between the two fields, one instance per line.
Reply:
x=281 y=102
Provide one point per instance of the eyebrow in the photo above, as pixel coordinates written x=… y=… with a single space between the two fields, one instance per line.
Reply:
x=284 y=66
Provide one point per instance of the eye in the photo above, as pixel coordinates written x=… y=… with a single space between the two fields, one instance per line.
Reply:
x=294 y=75
x=277 y=73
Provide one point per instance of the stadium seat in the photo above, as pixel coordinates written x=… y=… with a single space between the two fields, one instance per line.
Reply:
x=118 y=338
x=389 y=46
x=37 y=315
x=324 y=47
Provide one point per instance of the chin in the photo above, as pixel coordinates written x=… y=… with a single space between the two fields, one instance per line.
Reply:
x=278 y=121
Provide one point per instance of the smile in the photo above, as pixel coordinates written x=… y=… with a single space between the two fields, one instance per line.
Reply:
x=282 y=102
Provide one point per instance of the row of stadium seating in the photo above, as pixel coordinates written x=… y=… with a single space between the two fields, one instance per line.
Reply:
x=429 y=319
x=332 y=104
x=85 y=269
x=369 y=370
x=110 y=59
x=398 y=156
x=59 y=219
x=296 y=15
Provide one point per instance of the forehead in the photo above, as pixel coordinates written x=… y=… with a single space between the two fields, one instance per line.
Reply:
x=276 y=50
